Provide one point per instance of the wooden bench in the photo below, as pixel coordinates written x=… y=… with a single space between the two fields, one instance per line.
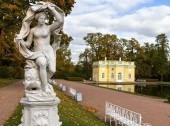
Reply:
x=123 y=116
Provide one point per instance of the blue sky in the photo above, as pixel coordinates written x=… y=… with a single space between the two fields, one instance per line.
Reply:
x=160 y=2
x=141 y=19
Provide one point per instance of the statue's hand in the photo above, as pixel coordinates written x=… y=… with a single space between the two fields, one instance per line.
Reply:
x=51 y=6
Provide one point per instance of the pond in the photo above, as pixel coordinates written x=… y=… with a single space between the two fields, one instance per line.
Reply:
x=160 y=90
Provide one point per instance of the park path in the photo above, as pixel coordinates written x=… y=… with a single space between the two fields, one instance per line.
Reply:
x=153 y=110
x=9 y=99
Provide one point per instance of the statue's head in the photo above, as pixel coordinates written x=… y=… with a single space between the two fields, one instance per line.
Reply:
x=41 y=17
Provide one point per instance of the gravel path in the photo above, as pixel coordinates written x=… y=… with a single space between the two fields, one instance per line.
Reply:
x=153 y=110
x=9 y=99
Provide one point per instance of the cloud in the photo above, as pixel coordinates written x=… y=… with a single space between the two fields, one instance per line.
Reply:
x=77 y=49
x=125 y=18
x=146 y=21
x=87 y=6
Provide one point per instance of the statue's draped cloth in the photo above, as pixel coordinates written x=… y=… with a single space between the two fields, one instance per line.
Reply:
x=25 y=29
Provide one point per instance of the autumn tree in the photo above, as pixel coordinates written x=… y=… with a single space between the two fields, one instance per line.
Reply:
x=102 y=46
x=11 y=14
x=93 y=40
x=109 y=45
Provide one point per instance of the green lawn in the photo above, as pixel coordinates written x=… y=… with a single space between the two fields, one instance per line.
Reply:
x=71 y=114
x=5 y=82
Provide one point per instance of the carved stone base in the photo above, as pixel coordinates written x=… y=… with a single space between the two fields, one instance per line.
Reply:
x=40 y=113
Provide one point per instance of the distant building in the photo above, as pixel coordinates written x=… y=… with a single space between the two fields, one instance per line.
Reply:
x=111 y=71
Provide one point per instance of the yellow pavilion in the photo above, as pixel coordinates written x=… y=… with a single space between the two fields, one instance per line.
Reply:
x=118 y=74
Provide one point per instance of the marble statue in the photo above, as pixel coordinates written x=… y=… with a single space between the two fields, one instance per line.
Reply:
x=40 y=101
x=34 y=45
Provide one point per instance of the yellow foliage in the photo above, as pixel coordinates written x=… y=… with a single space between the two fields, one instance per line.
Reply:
x=11 y=7
x=90 y=108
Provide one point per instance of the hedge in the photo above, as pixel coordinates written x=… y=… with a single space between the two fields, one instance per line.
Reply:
x=75 y=78
x=11 y=72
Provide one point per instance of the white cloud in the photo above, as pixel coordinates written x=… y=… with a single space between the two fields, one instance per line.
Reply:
x=120 y=17
x=146 y=21
x=78 y=48
x=87 y=6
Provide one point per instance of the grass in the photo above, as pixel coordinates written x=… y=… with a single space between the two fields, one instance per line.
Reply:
x=71 y=114
x=164 y=83
x=15 y=118
x=5 y=82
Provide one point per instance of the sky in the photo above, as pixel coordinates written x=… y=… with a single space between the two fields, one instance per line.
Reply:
x=139 y=19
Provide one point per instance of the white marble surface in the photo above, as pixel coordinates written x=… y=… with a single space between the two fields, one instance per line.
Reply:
x=40 y=102
x=40 y=113
x=34 y=44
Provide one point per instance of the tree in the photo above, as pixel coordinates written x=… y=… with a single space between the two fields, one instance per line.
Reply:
x=132 y=49
x=100 y=46
x=64 y=64
x=161 y=59
x=85 y=59
x=84 y=66
x=12 y=13
x=103 y=46
x=93 y=40
x=149 y=53
x=151 y=60
x=110 y=47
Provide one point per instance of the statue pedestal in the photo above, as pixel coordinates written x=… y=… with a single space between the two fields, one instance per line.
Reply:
x=40 y=113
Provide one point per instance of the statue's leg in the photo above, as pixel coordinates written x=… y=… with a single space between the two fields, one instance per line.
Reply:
x=42 y=63
x=49 y=78
x=51 y=71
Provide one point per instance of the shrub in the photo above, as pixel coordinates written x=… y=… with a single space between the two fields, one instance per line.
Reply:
x=74 y=78
x=6 y=72
x=19 y=73
x=11 y=72
x=59 y=75
x=152 y=80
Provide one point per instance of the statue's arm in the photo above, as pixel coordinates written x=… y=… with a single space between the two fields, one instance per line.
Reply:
x=29 y=39
x=58 y=19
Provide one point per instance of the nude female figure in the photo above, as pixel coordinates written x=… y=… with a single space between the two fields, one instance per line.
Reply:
x=40 y=37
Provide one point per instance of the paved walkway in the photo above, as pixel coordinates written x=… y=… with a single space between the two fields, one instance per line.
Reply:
x=9 y=99
x=153 y=111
